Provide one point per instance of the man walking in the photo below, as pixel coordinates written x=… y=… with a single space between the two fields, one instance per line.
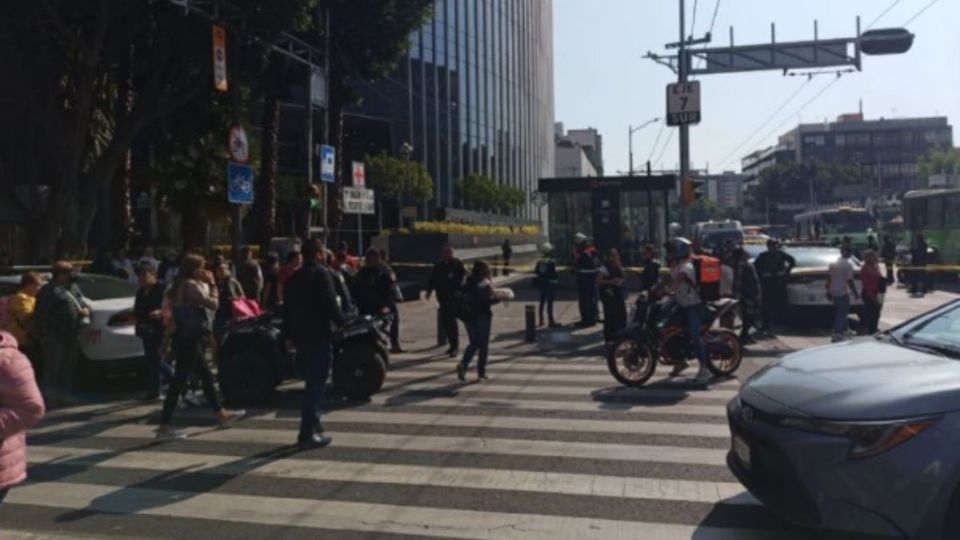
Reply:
x=60 y=313
x=585 y=262
x=773 y=267
x=311 y=312
x=250 y=275
x=374 y=291
x=889 y=254
x=839 y=280
x=447 y=279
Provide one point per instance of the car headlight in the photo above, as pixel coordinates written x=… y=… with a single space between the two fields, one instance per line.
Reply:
x=867 y=439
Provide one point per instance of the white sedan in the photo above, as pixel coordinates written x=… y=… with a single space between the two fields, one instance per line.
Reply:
x=108 y=343
x=807 y=284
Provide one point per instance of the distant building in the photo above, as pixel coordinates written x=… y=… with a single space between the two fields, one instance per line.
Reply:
x=576 y=152
x=725 y=189
x=754 y=163
x=591 y=142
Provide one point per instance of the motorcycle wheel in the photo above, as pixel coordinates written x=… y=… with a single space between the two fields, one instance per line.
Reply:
x=246 y=377
x=630 y=362
x=720 y=362
x=359 y=372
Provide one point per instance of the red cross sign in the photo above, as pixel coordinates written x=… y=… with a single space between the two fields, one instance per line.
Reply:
x=358 y=174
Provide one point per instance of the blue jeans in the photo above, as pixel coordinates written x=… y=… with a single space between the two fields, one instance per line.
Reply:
x=156 y=367
x=694 y=315
x=842 y=311
x=314 y=361
x=547 y=294
x=478 y=331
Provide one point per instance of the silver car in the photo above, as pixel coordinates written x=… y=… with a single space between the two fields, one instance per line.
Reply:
x=862 y=436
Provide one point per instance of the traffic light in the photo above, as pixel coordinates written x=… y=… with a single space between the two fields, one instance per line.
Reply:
x=688 y=191
x=315 y=196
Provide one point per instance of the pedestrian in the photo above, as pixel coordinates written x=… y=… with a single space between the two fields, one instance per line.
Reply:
x=59 y=316
x=373 y=291
x=683 y=285
x=447 y=278
x=610 y=280
x=21 y=407
x=228 y=290
x=478 y=296
x=651 y=268
x=168 y=267
x=311 y=313
x=271 y=270
x=585 y=263
x=249 y=274
x=547 y=280
x=343 y=259
x=193 y=293
x=147 y=259
x=840 y=289
x=746 y=288
x=20 y=312
x=123 y=267
x=774 y=267
x=506 y=251
x=873 y=286
x=397 y=298
x=918 y=260
x=148 y=309
x=889 y=254
x=291 y=264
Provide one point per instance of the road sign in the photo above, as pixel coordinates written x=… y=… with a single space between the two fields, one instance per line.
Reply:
x=239 y=183
x=219 y=58
x=359 y=175
x=328 y=164
x=237 y=145
x=683 y=103
x=358 y=200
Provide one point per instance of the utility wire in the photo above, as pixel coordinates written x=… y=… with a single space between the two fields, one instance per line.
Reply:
x=713 y=20
x=693 y=20
x=665 y=145
x=917 y=14
x=657 y=141
x=882 y=13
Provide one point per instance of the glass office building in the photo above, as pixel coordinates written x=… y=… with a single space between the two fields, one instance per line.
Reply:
x=475 y=95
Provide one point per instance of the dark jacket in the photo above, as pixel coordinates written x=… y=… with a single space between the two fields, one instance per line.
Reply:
x=650 y=275
x=481 y=292
x=311 y=308
x=774 y=266
x=146 y=302
x=546 y=270
x=373 y=289
x=446 y=279
x=889 y=251
x=57 y=315
x=251 y=278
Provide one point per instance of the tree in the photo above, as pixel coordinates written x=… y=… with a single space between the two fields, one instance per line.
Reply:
x=477 y=192
x=791 y=183
x=395 y=179
x=939 y=160
x=703 y=209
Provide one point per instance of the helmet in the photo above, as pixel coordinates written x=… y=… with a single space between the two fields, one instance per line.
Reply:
x=546 y=247
x=677 y=248
x=579 y=239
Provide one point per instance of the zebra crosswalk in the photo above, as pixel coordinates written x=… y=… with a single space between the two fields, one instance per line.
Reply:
x=547 y=448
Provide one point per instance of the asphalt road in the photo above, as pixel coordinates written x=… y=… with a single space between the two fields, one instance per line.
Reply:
x=550 y=447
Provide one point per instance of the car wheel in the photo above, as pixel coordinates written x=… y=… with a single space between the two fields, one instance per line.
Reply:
x=246 y=377
x=630 y=362
x=359 y=372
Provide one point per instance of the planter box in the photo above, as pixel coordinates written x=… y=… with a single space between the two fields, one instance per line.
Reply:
x=423 y=248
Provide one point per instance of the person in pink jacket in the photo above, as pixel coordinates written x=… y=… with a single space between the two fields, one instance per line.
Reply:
x=21 y=406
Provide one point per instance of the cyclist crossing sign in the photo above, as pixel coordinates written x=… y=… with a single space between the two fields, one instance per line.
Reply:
x=683 y=103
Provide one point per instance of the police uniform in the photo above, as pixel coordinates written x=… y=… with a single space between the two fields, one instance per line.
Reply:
x=585 y=263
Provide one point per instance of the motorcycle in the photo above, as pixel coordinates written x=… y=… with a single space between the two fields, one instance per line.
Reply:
x=254 y=358
x=658 y=334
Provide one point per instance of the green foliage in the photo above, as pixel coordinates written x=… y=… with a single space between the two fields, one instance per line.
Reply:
x=393 y=178
x=703 y=209
x=790 y=183
x=940 y=160
x=477 y=192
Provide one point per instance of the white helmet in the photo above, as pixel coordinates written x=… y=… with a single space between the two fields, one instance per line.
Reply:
x=547 y=247
x=579 y=238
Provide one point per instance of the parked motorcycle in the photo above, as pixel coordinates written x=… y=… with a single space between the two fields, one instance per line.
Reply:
x=254 y=359
x=658 y=334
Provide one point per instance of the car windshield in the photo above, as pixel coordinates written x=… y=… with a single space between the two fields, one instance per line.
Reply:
x=849 y=221
x=939 y=330
x=714 y=239
x=105 y=287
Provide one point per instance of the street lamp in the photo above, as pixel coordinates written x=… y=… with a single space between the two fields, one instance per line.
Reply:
x=630 y=131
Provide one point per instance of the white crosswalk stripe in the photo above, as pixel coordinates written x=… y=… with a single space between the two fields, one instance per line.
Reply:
x=545 y=450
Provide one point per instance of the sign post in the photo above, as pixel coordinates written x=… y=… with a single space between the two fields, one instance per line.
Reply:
x=359 y=201
x=219 y=58
x=683 y=103
x=239 y=183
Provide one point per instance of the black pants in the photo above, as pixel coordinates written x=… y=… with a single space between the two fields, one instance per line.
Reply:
x=189 y=359
x=547 y=295
x=919 y=280
x=448 y=320
x=395 y=327
x=871 y=315
x=614 y=316
x=587 y=299
x=888 y=264
x=748 y=319
x=774 y=301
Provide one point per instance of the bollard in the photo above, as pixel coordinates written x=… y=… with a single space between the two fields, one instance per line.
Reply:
x=531 y=334
x=441 y=334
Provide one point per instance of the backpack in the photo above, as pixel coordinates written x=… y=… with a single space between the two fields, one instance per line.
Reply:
x=467 y=304
x=708 y=272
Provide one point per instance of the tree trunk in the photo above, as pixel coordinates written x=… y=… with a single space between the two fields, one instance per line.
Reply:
x=122 y=179
x=265 y=202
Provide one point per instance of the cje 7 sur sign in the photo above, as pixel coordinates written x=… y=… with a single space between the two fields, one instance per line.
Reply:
x=358 y=200
x=683 y=103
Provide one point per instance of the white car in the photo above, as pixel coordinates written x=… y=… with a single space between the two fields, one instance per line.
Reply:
x=108 y=344
x=807 y=284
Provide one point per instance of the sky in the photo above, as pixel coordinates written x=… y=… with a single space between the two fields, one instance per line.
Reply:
x=601 y=79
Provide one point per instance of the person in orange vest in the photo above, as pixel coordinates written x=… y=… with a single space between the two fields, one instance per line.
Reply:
x=685 y=288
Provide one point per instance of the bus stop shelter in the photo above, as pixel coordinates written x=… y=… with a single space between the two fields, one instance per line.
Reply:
x=623 y=212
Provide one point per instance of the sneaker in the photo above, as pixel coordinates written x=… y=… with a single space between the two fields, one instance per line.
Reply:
x=679 y=368
x=397 y=349
x=315 y=441
x=452 y=352
x=226 y=417
x=703 y=376
x=165 y=433
x=461 y=373
x=540 y=324
x=483 y=378
x=192 y=399
x=837 y=338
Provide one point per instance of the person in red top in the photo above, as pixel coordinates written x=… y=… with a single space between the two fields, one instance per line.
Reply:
x=343 y=258
x=873 y=286
x=292 y=263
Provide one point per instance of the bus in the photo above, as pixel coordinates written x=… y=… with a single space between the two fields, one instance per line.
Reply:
x=935 y=213
x=830 y=225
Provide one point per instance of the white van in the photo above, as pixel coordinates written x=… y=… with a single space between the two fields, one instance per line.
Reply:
x=713 y=234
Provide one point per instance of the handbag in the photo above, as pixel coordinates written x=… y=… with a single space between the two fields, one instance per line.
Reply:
x=245 y=308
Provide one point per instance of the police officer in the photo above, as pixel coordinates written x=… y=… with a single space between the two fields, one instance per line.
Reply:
x=585 y=263
x=373 y=290
x=447 y=279
x=773 y=266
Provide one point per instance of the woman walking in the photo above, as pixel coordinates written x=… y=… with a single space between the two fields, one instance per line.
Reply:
x=477 y=297
x=873 y=286
x=21 y=406
x=610 y=279
x=193 y=293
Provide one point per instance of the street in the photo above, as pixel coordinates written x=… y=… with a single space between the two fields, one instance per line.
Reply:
x=550 y=447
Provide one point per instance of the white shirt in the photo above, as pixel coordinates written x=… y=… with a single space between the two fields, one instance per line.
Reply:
x=684 y=292
x=841 y=273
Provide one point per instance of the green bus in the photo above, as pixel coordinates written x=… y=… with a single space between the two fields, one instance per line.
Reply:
x=830 y=225
x=935 y=213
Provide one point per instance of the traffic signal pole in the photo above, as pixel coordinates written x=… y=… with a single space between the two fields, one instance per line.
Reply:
x=684 y=128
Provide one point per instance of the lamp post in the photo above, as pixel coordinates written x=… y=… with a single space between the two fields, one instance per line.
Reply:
x=630 y=131
x=406 y=150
